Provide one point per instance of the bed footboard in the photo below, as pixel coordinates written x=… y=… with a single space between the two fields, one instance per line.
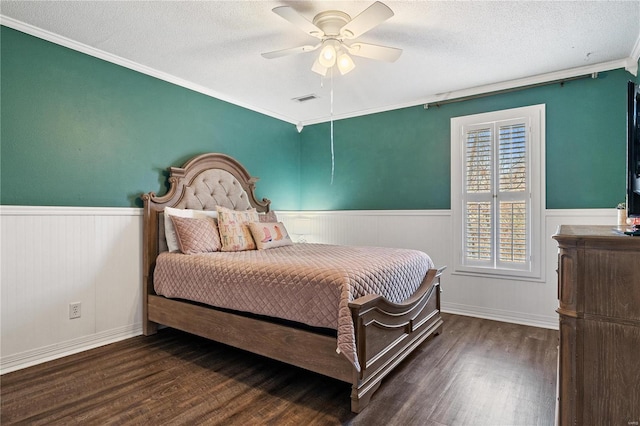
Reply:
x=387 y=332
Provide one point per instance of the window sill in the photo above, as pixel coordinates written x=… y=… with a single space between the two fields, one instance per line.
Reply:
x=502 y=274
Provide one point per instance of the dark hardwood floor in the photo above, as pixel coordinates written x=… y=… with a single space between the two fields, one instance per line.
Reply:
x=485 y=373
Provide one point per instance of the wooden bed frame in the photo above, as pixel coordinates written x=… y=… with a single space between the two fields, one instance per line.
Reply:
x=385 y=332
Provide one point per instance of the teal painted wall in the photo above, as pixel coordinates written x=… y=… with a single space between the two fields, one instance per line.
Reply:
x=79 y=131
x=401 y=159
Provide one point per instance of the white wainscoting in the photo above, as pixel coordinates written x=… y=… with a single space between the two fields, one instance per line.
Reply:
x=53 y=256
x=509 y=300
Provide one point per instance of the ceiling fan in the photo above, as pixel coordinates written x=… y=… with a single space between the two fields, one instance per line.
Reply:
x=336 y=29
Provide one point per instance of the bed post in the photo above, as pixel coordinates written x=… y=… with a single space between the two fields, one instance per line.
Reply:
x=149 y=254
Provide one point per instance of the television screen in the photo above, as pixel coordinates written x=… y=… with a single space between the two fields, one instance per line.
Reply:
x=633 y=150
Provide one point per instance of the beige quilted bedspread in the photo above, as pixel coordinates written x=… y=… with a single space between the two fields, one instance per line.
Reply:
x=307 y=283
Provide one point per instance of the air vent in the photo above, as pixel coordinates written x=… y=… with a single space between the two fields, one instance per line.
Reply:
x=305 y=98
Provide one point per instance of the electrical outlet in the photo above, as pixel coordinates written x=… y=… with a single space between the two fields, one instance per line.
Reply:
x=74 y=310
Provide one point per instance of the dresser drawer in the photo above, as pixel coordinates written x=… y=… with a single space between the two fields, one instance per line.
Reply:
x=612 y=283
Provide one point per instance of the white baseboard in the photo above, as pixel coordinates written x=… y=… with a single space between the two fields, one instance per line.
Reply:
x=37 y=356
x=501 y=315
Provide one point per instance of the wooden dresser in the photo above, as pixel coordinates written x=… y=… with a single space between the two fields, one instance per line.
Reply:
x=599 y=307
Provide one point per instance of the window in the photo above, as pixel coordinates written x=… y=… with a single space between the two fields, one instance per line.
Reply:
x=497 y=174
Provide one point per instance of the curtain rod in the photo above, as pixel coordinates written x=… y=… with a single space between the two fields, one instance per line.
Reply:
x=593 y=75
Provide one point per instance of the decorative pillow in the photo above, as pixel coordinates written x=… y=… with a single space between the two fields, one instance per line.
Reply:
x=270 y=235
x=268 y=217
x=169 y=230
x=234 y=232
x=196 y=235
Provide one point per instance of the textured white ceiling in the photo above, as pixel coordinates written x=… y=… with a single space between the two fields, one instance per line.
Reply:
x=449 y=46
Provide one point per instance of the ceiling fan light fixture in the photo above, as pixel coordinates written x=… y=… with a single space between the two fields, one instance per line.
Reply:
x=345 y=64
x=318 y=68
x=328 y=55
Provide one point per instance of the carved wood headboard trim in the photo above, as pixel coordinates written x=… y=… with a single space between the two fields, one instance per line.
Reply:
x=181 y=177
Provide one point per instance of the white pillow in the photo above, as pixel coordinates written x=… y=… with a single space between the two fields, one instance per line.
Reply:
x=169 y=230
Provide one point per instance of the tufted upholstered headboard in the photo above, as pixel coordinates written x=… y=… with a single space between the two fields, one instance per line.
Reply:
x=202 y=183
x=214 y=187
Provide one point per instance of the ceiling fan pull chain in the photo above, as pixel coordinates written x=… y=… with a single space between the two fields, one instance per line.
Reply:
x=331 y=115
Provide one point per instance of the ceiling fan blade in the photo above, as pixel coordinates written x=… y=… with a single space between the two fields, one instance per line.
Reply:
x=289 y=13
x=290 y=51
x=374 y=51
x=367 y=19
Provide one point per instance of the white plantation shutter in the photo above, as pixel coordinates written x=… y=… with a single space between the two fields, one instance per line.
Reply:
x=478 y=201
x=491 y=166
x=479 y=162
x=479 y=231
x=513 y=240
x=496 y=195
x=513 y=194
